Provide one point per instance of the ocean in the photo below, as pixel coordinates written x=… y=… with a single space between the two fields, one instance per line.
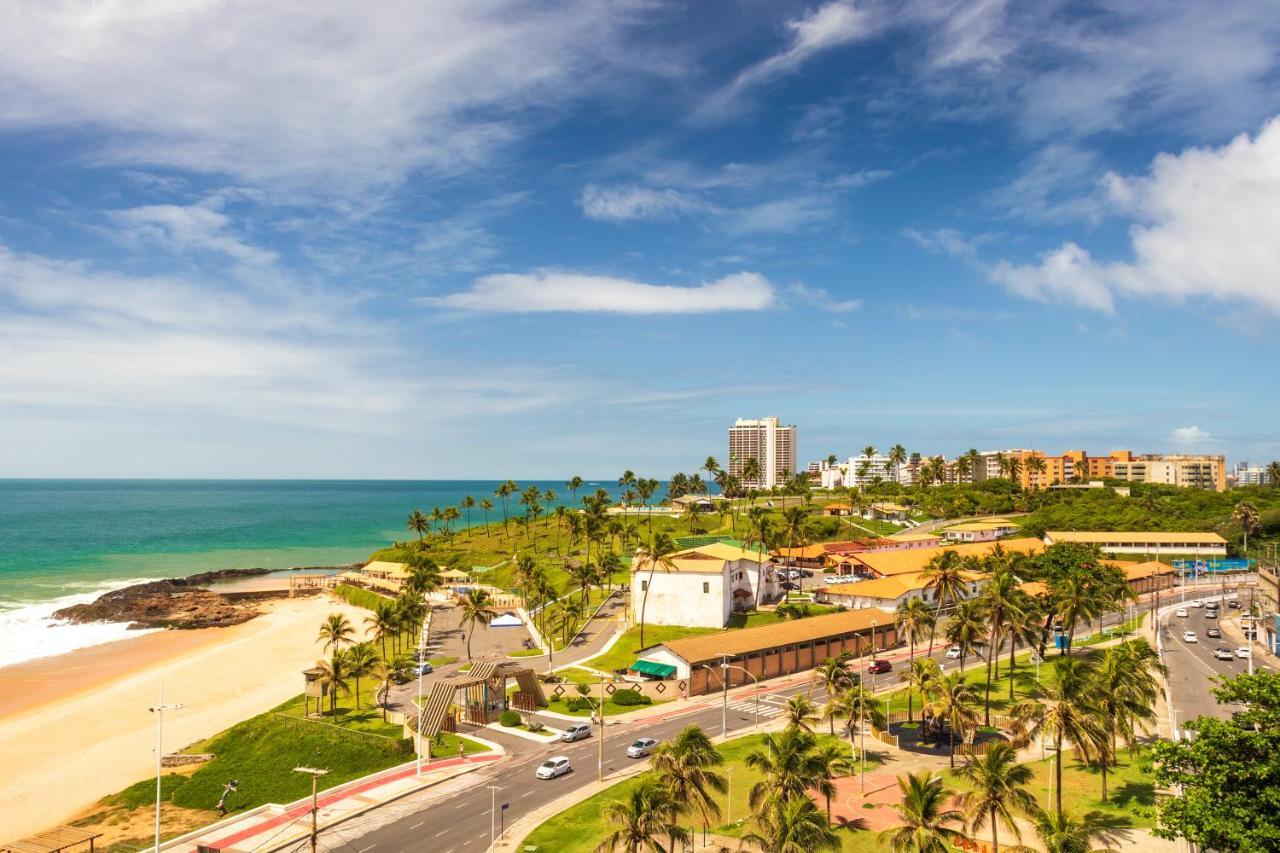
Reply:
x=64 y=542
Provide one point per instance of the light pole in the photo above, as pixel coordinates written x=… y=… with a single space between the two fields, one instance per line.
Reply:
x=422 y=658
x=728 y=812
x=315 y=775
x=724 y=695
x=158 y=709
x=493 y=808
x=600 y=767
x=725 y=666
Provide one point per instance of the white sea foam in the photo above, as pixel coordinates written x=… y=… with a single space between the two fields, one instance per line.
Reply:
x=28 y=629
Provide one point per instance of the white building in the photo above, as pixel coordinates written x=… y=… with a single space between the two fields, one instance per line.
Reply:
x=1154 y=543
x=980 y=531
x=772 y=445
x=1251 y=475
x=865 y=470
x=700 y=587
x=889 y=592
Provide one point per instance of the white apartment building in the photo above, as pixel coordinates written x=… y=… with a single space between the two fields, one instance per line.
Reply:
x=772 y=445
x=700 y=587
x=1251 y=475
x=865 y=470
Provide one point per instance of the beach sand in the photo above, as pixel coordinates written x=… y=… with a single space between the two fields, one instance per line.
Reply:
x=75 y=727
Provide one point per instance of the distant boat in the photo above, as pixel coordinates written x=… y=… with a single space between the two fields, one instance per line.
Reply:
x=593 y=484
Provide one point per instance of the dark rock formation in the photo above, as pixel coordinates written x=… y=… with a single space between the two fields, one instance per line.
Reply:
x=162 y=604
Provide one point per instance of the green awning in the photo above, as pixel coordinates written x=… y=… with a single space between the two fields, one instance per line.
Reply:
x=657 y=670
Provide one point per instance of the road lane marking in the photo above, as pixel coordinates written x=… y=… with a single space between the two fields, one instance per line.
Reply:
x=441 y=832
x=416 y=825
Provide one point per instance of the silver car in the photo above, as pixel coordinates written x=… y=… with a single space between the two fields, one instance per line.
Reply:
x=553 y=767
x=639 y=749
x=577 y=731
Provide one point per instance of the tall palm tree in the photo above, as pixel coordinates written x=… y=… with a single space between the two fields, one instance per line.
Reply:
x=832 y=763
x=998 y=791
x=751 y=472
x=795 y=528
x=383 y=670
x=476 y=610
x=951 y=702
x=1066 y=711
x=645 y=816
x=485 y=506
x=1127 y=686
x=794 y=825
x=1024 y=627
x=335 y=631
x=1002 y=602
x=332 y=678
x=503 y=493
x=786 y=764
x=686 y=765
x=418 y=523
x=1273 y=474
x=382 y=622
x=919 y=676
x=423 y=574
x=582 y=574
x=760 y=534
x=1062 y=832
x=712 y=467
x=1246 y=515
x=943 y=575
x=657 y=554
x=967 y=628
x=926 y=819
x=800 y=712
x=834 y=676
x=857 y=705
x=897 y=458
x=574 y=483
x=911 y=620
x=360 y=661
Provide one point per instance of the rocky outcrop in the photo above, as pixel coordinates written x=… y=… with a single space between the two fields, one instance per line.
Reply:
x=162 y=604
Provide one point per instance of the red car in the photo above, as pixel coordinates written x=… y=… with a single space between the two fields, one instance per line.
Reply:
x=878 y=666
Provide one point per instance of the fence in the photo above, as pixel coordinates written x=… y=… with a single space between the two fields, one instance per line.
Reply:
x=964 y=749
x=884 y=737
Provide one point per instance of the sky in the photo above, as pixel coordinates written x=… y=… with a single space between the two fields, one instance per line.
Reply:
x=491 y=239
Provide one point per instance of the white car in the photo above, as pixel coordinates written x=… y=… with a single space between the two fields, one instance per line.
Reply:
x=953 y=652
x=641 y=748
x=1243 y=652
x=553 y=767
x=1223 y=654
x=1181 y=611
x=1189 y=637
x=1197 y=603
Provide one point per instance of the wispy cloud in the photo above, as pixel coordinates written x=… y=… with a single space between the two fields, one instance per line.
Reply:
x=630 y=203
x=183 y=228
x=822 y=300
x=1190 y=435
x=547 y=291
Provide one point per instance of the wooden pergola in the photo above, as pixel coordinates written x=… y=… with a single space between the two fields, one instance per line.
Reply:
x=53 y=841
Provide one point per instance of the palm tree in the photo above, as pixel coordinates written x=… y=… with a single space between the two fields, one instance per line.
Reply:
x=382 y=622
x=423 y=574
x=485 y=506
x=475 y=611
x=952 y=702
x=801 y=713
x=1273 y=474
x=919 y=676
x=332 y=678
x=712 y=467
x=967 y=628
x=383 y=670
x=998 y=791
x=418 y=523
x=857 y=705
x=468 y=504
x=360 y=661
x=1246 y=515
x=897 y=458
x=641 y=819
x=834 y=677
x=1127 y=687
x=335 y=631
x=785 y=762
x=582 y=574
x=1062 y=832
x=691 y=513
x=924 y=815
x=912 y=618
x=503 y=492
x=574 y=483
x=832 y=763
x=751 y=472
x=760 y=533
x=942 y=574
x=1065 y=710
x=1002 y=602
x=869 y=451
x=795 y=528
x=656 y=554
x=686 y=766
x=793 y=826
x=1024 y=626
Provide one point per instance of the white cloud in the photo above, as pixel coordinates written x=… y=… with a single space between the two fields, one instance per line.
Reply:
x=829 y=26
x=1189 y=435
x=783 y=215
x=822 y=300
x=187 y=227
x=1206 y=226
x=1061 y=182
x=859 y=179
x=306 y=94
x=547 y=291
x=629 y=202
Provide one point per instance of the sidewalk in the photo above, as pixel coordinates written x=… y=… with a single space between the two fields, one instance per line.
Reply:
x=273 y=826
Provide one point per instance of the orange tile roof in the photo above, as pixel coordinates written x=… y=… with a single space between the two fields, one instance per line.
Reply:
x=1156 y=537
x=804 y=552
x=915 y=559
x=709 y=647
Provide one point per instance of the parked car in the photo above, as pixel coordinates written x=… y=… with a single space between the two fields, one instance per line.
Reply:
x=553 y=767
x=1212 y=632
x=1243 y=652
x=1224 y=654
x=805 y=573
x=953 y=652
x=791 y=585
x=1189 y=637
x=1181 y=611
x=878 y=666
x=577 y=731
x=1233 y=604
x=425 y=668
x=641 y=748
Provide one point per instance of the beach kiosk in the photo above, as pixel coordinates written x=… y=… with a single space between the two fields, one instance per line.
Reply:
x=478 y=697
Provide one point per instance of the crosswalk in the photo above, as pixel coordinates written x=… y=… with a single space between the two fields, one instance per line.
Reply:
x=768 y=706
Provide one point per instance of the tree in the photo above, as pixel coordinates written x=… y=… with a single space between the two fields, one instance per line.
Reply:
x=1228 y=774
x=760 y=534
x=833 y=675
x=919 y=676
x=951 y=702
x=794 y=825
x=485 y=506
x=475 y=611
x=335 y=631
x=998 y=791
x=641 y=819
x=382 y=622
x=795 y=528
x=1273 y=474
x=686 y=765
x=1062 y=832
x=785 y=762
x=1127 y=687
x=912 y=619
x=832 y=763
x=1246 y=515
x=332 y=678
x=943 y=575
x=1035 y=466
x=925 y=816
x=383 y=670
x=800 y=712
x=897 y=458
x=1002 y=601
x=360 y=661
x=691 y=513
x=750 y=474
x=857 y=704
x=967 y=627
x=418 y=523
x=656 y=554
x=502 y=493
x=1066 y=711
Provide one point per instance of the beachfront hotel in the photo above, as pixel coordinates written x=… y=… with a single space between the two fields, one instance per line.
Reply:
x=772 y=445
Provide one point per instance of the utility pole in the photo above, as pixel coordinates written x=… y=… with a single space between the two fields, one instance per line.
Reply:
x=158 y=709
x=493 y=806
x=724 y=693
x=600 y=764
x=315 y=775
x=422 y=659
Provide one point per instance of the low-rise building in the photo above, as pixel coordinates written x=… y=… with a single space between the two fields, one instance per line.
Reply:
x=802 y=557
x=980 y=531
x=907 y=561
x=887 y=593
x=700 y=587
x=886 y=511
x=1153 y=543
x=837 y=509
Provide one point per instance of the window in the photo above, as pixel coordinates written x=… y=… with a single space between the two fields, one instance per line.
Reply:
x=706 y=587
x=644 y=585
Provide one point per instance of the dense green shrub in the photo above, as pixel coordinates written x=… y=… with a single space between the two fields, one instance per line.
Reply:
x=509 y=718
x=627 y=697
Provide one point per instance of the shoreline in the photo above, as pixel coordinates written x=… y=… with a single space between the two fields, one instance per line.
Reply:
x=78 y=723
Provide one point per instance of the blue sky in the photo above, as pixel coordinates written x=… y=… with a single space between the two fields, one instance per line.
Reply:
x=310 y=239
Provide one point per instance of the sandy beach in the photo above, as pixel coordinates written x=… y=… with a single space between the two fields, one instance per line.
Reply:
x=75 y=727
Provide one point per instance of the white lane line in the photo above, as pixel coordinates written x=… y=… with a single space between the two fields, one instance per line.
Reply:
x=525 y=794
x=441 y=832
x=460 y=806
x=416 y=825
x=366 y=849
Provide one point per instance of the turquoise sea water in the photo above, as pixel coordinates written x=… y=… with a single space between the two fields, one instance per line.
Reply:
x=63 y=541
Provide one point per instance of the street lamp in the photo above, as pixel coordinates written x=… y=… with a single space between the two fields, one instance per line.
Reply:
x=493 y=807
x=315 y=775
x=158 y=709
x=725 y=666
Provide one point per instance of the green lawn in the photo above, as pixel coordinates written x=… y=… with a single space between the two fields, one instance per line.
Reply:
x=623 y=653
x=580 y=828
x=360 y=597
x=756 y=618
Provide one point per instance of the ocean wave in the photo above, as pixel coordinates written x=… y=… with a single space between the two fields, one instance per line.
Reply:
x=29 y=631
